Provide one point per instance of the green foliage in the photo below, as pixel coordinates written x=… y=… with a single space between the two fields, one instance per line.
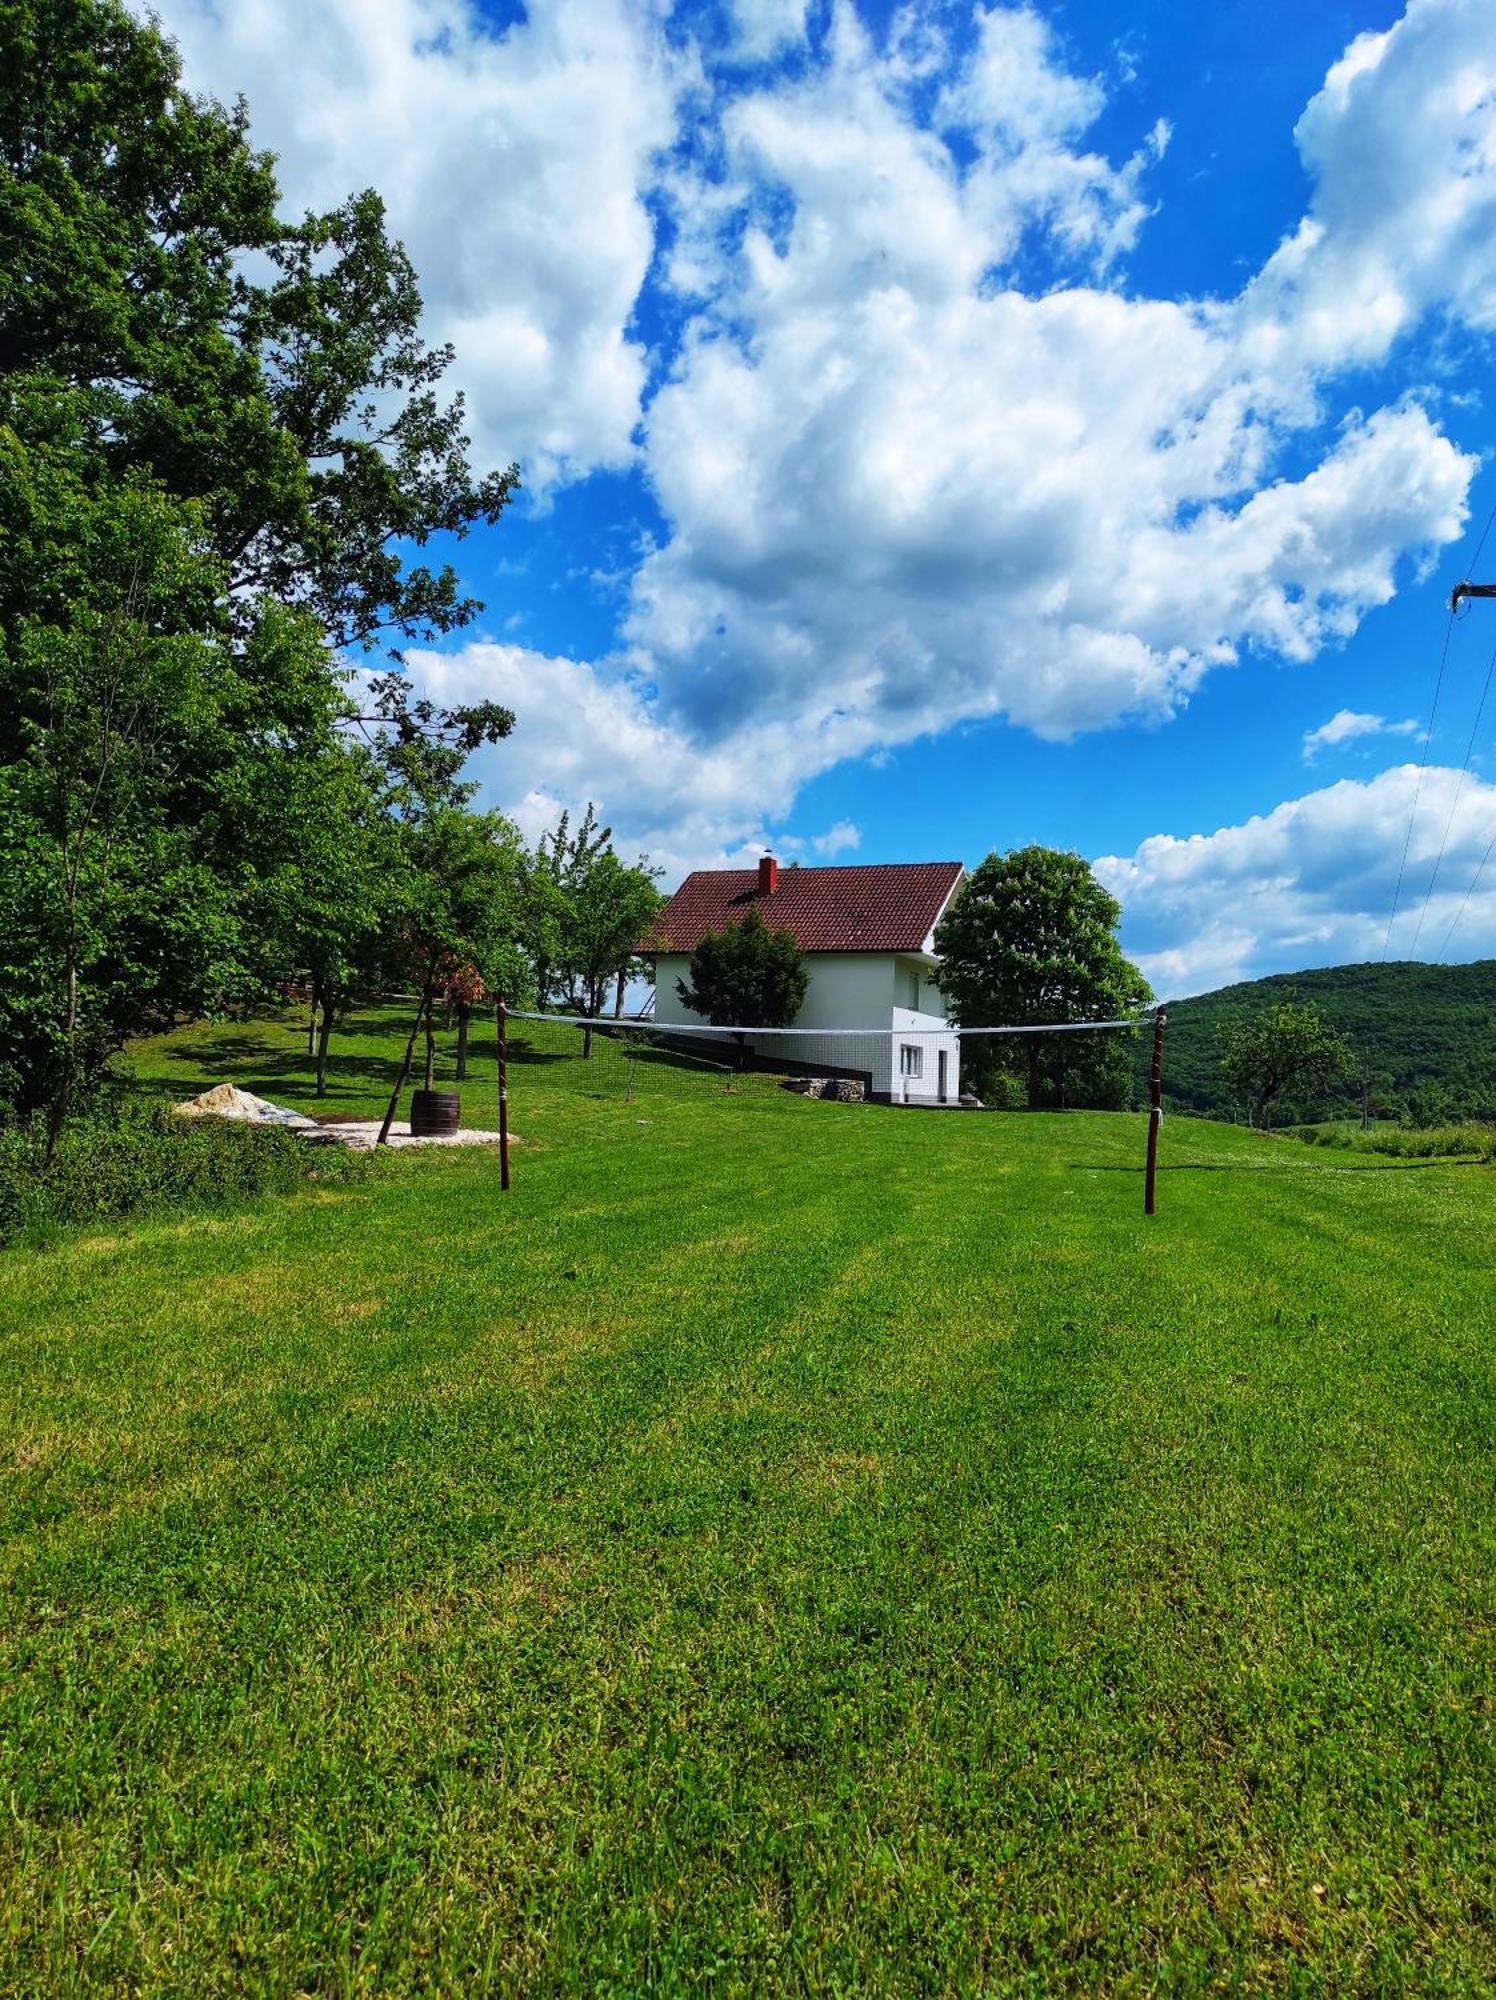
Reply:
x=1032 y=938
x=554 y=876
x=746 y=975
x=220 y=437
x=288 y=393
x=1287 y=1053
x=612 y=908
x=988 y=1072
x=1430 y=1142
x=1420 y=1036
x=458 y=896
x=147 y=779
x=134 y=1161
x=585 y=912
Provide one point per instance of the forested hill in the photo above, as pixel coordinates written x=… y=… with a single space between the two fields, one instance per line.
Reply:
x=1422 y=1031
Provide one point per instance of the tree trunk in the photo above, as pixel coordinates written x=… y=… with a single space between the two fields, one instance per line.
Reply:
x=62 y=1102
x=623 y=980
x=464 y=1013
x=311 y=1019
x=1033 y=1072
x=324 y=1036
x=430 y=1046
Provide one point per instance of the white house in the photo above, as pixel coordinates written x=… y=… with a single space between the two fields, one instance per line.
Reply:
x=868 y=935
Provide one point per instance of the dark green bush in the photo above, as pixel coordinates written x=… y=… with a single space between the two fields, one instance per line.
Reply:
x=128 y=1160
x=1440 y=1142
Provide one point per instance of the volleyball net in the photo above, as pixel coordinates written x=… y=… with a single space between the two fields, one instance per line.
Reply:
x=916 y=1066
x=643 y=1062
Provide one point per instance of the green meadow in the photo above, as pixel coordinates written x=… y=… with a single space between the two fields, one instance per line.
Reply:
x=779 y=1547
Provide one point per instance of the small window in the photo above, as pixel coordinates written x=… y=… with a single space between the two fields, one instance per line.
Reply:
x=907 y=987
x=911 y=1059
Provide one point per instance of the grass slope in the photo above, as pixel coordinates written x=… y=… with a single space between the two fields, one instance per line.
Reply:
x=780 y=1547
x=1412 y=1026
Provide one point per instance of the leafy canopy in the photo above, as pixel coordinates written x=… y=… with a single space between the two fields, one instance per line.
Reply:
x=585 y=913
x=288 y=393
x=221 y=436
x=1032 y=938
x=746 y=975
x=149 y=781
x=1289 y=1049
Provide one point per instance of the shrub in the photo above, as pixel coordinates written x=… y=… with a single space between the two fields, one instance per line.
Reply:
x=1434 y=1142
x=129 y=1161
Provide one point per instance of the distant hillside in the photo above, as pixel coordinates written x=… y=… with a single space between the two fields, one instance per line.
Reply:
x=1418 y=1029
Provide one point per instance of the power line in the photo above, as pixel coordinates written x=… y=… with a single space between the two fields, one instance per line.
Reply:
x=1402 y=866
x=1454 y=803
x=1480 y=869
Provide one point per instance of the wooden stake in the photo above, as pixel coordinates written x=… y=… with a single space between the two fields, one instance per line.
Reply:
x=423 y=1009
x=501 y=1016
x=1155 y=1112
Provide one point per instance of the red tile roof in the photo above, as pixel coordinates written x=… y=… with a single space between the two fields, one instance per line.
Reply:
x=888 y=907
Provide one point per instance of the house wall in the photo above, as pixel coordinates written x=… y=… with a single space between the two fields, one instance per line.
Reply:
x=853 y=989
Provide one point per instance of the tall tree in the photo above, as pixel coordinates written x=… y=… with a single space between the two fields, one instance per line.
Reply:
x=554 y=877
x=745 y=974
x=459 y=890
x=1032 y=939
x=327 y=913
x=288 y=392
x=141 y=778
x=220 y=435
x=457 y=905
x=1288 y=1050
x=611 y=908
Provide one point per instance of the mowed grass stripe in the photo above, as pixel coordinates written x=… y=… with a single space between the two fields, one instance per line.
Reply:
x=782 y=1547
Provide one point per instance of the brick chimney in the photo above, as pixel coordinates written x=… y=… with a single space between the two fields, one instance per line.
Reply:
x=768 y=874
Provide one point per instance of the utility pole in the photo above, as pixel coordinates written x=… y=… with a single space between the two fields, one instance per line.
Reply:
x=501 y=1023
x=1155 y=1112
x=1467 y=590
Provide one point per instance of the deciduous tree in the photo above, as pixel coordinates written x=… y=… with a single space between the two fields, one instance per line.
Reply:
x=142 y=780
x=611 y=908
x=221 y=435
x=746 y=974
x=155 y=303
x=1289 y=1049
x=1032 y=939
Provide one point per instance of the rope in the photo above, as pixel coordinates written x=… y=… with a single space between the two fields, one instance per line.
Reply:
x=605 y=1023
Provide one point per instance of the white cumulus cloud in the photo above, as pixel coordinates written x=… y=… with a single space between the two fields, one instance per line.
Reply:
x=905 y=489
x=1312 y=882
x=922 y=452
x=513 y=165
x=1348 y=725
x=582 y=735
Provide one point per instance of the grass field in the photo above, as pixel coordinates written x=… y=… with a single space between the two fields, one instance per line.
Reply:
x=781 y=1547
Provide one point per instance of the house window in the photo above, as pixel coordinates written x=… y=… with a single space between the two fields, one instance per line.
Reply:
x=906 y=980
x=911 y=1059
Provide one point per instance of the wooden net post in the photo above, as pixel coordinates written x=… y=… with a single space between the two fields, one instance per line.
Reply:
x=501 y=1017
x=1155 y=1112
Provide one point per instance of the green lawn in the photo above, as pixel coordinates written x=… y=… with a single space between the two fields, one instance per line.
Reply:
x=778 y=1547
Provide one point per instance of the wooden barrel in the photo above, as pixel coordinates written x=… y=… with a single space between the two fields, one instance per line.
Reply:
x=433 y=1113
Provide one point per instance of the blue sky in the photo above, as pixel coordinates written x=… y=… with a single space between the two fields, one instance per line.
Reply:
x=947 y=427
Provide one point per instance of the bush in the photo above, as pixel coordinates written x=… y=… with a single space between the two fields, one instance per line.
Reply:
x=1435 y=1142
x=133 y=1161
